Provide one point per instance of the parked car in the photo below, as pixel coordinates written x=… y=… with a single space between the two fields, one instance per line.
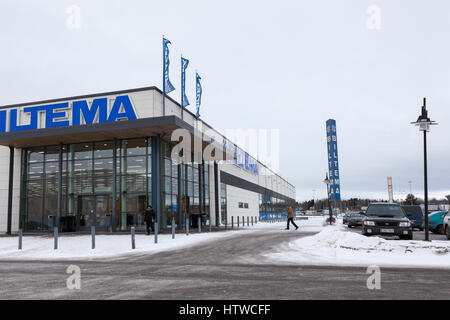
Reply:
x=447 y=226
x=346 y=217
x=355 y=219
x=436 y=221
x=387 y=219
x=415 y=215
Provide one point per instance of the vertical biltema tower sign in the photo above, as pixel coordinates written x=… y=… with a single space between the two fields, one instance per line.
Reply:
x=333 y=161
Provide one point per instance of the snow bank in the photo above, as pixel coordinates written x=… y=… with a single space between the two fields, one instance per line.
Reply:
x=334 y=246
x=107 y=246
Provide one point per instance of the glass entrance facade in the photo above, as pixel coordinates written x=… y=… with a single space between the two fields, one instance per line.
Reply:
x=89 y=171
x=87 y=185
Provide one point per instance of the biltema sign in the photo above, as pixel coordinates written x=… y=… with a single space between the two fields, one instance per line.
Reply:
x=241 y=158
x=64 y=114
x=333 y=161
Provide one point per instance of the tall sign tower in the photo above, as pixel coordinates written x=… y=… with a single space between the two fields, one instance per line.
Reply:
x=333 y=162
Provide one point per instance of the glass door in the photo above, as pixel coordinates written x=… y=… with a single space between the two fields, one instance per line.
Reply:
x=85 y=213
x=93 y=210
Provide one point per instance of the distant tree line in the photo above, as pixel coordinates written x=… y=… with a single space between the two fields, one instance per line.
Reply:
x=356 y=203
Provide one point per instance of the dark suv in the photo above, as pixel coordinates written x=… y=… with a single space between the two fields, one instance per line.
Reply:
x=387 y=219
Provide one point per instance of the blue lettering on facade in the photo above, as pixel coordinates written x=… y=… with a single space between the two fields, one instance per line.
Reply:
x=99 y=106
x=57 y=115
x=3 y=121
x=51 y=115
x=116 y=113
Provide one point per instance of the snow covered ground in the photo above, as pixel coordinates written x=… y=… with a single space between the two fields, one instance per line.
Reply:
x=336 y=246
x=332 y=245
x=109 y=246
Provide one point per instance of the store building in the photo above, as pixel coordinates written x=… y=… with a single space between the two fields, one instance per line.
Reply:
x=98 y=160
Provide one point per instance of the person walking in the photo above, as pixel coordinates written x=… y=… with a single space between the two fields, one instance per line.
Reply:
x=290 y=216
x=149 y=219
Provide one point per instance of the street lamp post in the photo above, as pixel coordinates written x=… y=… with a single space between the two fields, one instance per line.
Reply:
x=424 y=123
x=328 y=182
x=410 y=192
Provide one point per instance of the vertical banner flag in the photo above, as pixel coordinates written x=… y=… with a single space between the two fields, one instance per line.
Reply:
x=184 y=99
x=167 y=85
x=199 y=94
x=333 y=162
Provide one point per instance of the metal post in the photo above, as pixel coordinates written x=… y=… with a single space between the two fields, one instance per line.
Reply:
x=243 y=221
x=20 y=239
x=10 y=189
x=329 y=204
x=173 y=227
x=210 y=228
x=248 y=221
x=232 y=222
x=93 y=236
x=133 y=238
x=60 y=177
x=425 y=165
x=187 y=225
x=238 y=221
x=252 y=221
x=199 y=219
x=55 y=242
x=156 y=231
x=114 y=187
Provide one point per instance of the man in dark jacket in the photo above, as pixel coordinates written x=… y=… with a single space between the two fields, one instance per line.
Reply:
x=149 y=219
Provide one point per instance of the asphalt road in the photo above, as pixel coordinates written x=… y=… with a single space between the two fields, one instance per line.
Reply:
x=230 y=268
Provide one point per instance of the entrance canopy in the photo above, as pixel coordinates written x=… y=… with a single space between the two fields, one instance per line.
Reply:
x=148 y=127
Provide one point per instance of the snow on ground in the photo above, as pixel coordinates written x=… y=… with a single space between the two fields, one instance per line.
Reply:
x=109 y=246
x=334 y=246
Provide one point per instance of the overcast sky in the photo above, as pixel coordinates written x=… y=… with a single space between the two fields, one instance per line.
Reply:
x=287 y=65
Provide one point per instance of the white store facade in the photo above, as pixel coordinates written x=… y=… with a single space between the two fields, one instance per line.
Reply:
x=99 y=160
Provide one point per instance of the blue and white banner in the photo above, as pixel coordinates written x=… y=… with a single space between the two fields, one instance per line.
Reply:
x=184 y=99
x=167 y=85
x=199 y=94
x=333 y=161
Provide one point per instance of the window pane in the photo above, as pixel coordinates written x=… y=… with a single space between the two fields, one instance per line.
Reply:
x=103 y=167
x=135 y=183
x=103 y=184
x=134 y=147
x=34 y=214
x=196 y=190
x=167 y=185
x=35 y=188
x=103 y=149
x=135 y=164
x=35 y=170
x=174 y=186
x=167 y=167
x=80 y=151
x=81 y=167
x=36 y=155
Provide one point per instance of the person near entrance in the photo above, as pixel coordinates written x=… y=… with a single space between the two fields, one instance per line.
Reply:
x=149 y=219
x=290 y=216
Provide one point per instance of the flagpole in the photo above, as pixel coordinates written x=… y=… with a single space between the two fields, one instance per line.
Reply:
x=182 y=98
x=164 y=78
